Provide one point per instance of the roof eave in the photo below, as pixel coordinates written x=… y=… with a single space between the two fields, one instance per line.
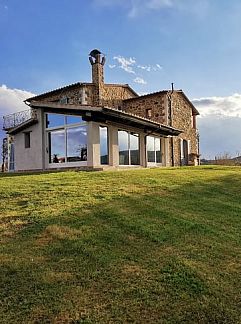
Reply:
x=112 y=114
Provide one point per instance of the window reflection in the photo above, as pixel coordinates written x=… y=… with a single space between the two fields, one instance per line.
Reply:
x=158 y=150
x=134 y=149
x=104 y=159
x=129 y=153
x=153 y=146
x=54 y=120
x=67 y=141
x=57 y=120
x=57 y=146
x=76 y=144
x=150 y=149
x=123 y=140
x=73 y=119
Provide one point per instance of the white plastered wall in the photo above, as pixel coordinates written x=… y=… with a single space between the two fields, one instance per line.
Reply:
x=29 y=158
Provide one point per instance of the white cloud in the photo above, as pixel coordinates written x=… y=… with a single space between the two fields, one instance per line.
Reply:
x=145 y=67
x=139 y=80
x=125 y=63
x=157 y=4
x=220 y=106
x=11 y=101
x=135 y=8
x=130 y=65
x=219 y=124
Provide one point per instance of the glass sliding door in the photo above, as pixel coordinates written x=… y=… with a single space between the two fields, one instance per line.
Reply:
x=158 y=150
x=129 y=152
x=150 y=145
x=123 y=140
x=104 y=151
x=153 y=147
x=134 y=149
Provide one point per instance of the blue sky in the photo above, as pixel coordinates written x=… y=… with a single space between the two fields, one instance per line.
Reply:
x=148 y=44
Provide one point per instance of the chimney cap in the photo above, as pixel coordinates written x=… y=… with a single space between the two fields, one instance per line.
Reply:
x=94 y=53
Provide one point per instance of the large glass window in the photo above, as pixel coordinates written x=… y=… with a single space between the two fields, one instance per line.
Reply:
x=153 y=146
x=67 y=138
x=123 y=140
x=129 y=153
x=76 y=144
x=56 y=120
x=57 y=146
x=134 y=149
x=104 y=157
x=150 y=144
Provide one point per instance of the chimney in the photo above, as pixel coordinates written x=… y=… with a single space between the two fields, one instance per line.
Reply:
x=97 y=61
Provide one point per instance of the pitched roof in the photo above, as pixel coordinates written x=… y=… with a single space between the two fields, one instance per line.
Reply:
x=195 y=111
x=78 y=84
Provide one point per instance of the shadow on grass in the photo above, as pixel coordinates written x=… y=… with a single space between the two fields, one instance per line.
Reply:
x=168 y=254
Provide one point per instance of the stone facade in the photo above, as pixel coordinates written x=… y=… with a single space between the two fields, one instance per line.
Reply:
x=183 y=117
x=150 y=106
x=170 y=108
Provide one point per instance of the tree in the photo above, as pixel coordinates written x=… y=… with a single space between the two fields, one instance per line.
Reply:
x=4 y=152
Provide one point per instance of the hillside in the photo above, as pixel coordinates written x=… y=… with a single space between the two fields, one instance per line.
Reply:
x=141 y=246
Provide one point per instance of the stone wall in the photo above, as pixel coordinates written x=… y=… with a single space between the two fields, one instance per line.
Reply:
x=113 y=95
x=72 y=93
x=157 y=105
x=151 y=106
x=86 y=94
x=182 y=119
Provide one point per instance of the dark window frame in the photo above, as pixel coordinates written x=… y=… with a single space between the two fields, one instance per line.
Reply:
x=148 y=112
x=27 y=139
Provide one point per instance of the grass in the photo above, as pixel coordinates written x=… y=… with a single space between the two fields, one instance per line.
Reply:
x=141 y=246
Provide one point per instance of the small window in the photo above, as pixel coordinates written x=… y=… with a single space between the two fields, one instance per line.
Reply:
x=148 y=113
x=27 y=139
x=194 y=122
x=64 y=100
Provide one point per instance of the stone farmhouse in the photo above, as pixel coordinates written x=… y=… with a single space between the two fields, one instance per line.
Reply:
x=99 y=125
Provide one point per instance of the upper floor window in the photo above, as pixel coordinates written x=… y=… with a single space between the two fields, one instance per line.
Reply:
x=64 y=100
x=27 y=139
x=148 y=113
x=194 y=125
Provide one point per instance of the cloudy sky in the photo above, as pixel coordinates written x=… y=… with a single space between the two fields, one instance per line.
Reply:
x=148 y=44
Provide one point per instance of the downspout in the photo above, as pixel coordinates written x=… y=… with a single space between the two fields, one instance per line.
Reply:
x=169 y=97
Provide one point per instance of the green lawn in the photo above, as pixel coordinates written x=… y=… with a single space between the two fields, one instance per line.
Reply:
x=140 y=246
